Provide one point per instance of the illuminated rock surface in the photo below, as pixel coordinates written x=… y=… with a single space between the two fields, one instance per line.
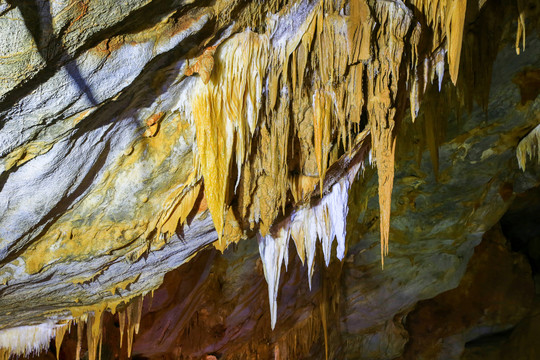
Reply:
x=134 y=135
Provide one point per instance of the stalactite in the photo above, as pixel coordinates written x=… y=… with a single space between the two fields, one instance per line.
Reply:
x=122 y=320
x=225 y=113
x=272 y=250
x=359 y=31
x=322 y=125
x=520 y=34
x=382 y=87
x=529 y=147
x=259 y=93
x=279 y=145
x=454 y=33
x=447 y=19
x=94 y=332
x=26 y=340
x=33 y=339
x=324 y=220
x=302 y=186
x=324 y=318
x=60 y=332
x=130 y=321
x=262 y=186
x=80 y=329
x=179 y=210
x=5 y=353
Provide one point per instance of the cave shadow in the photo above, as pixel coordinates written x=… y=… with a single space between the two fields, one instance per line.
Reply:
x=39 y=22
x=60 y=208
x=130 y=100
x=147 y=16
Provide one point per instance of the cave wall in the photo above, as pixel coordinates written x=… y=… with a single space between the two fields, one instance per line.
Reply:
x=118 y=165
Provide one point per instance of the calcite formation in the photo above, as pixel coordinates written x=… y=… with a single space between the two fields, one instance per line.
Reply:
x=133 y=135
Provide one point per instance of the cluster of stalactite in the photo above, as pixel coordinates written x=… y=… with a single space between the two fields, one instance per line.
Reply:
x=286 y=108
x=276 y=109
x=286 y=117
x=28 y=340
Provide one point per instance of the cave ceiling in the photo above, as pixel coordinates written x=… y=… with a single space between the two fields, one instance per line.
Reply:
x=262 y=178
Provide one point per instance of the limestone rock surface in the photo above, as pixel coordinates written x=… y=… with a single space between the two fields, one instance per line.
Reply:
x=135 y=134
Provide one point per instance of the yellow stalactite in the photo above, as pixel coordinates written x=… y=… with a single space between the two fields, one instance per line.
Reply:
x=225 y=112
x=300 y=243
x=94 y=332
x=279 y=144
x=454 y=32
x=529 y=147
x=382 y=89
x=122 y=319
x=385 y=169
x=4 y=354
x=302 y=186
x=520 y=34
x=60 y=332
x=355 y=97
x=129 y=315
x=322 y=127
x=130 y=318
x=215 y=150
x=232 y=232
x=384 y=143
x=80 y=329
x=359 y=31
x=180 y=211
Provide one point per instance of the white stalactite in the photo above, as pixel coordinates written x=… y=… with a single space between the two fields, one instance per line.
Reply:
x=272 y=250
x=27 y=340
x=325 y=220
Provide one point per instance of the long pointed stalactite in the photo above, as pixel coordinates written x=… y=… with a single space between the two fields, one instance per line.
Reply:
x=383 y=79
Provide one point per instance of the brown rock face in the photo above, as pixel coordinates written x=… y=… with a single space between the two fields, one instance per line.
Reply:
x=495 y=293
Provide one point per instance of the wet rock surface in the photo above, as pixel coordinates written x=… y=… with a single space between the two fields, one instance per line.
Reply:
x=451 y=281
x=102 y=198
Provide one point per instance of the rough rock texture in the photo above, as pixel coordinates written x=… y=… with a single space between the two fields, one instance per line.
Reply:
x=489 y=299
x=133 y=136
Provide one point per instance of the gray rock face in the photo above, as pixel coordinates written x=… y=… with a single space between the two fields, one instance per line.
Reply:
x=67 y=133
x=84 y=193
